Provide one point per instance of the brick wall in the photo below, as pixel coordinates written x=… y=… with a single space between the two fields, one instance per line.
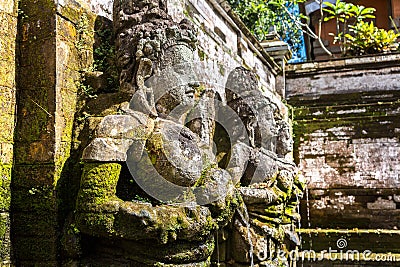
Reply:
x=347 y=131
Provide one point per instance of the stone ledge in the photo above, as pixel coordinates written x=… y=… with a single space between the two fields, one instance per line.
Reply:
x=379 y=240
x=344 y=64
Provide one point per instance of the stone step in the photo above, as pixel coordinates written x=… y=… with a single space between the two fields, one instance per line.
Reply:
x=349 y=247
x=373 y=260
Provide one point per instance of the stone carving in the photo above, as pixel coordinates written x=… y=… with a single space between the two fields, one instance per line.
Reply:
x=143 y=31
x=271 y=187
x=153 y=192
x=122 y=222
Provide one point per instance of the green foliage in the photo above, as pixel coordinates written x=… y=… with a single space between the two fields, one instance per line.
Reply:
x=138 y=198
x=366 y=38
x=343 y=12
x=104 y=53
x=354 y=34
x=85 y=89
x=262 y=16
x=83 y=32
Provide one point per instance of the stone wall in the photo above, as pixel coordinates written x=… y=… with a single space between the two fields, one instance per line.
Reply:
x=8 y=32
x=346 y=127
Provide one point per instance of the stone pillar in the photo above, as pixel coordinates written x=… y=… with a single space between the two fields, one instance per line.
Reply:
x=8 y=31
x=53 y=44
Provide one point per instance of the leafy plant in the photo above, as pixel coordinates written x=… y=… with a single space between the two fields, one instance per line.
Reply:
x=262 y=16
x=362 y=13
x=366 y=38
x=104 y=53
x=343 y=12
x=354 y=34
x=83 y=33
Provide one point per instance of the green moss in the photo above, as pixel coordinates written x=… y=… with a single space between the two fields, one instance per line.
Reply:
x=39 y=9
x=36 y=249
x=98 y=183
x=275 y=211
x=157 y=142
x=221 y=69
x=173 y=221
x=34 y=117
x=205 y=175
x=202 y=54
x=224 y=213
x=38 y=198
x=4 y=236
x=282 y=196
x=95 y=224
x=5 y=191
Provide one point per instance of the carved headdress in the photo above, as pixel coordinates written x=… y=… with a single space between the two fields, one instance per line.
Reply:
x=144 y=31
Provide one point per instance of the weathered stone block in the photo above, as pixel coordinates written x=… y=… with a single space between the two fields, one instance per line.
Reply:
x=5 y=243
x=34 y=223
x=376 y=241
x=351 y=208
x=7 y=126
x=7 y=101
x=29 y=176
x=240 y=250
x=36 y=249
x=6 y=152
x=8 y=31
x=107 y=149
x=36 y=152
x=134 y=126
x=35 y=117
x=382 y=204
x=9 y=7
x=73 y=10
x=38 y=65
x=40 y=9
x=7 y=73
x=68 y=63
x=39 y=198
x=5 y=190
x=37 y=28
